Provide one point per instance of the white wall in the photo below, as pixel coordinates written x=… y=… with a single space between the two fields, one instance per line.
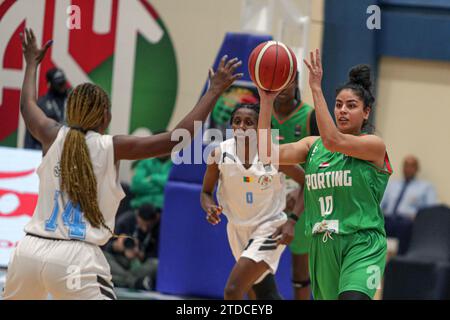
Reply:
x=197 y=28
x=413 y=117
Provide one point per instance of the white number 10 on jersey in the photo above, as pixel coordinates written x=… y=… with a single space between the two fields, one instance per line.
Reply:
x=326 y=205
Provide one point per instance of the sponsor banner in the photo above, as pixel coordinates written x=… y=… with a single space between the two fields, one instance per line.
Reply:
x=121 y=45
x=19 y=185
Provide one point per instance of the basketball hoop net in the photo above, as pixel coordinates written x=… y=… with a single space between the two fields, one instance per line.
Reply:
x=292 y=27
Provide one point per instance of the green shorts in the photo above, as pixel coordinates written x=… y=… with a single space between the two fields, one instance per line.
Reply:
x=353 y=262
x=301 y=242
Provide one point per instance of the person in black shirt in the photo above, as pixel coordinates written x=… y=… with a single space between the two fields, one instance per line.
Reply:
x=53 y=103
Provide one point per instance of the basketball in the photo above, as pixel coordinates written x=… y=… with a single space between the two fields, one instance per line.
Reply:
x=272 y=66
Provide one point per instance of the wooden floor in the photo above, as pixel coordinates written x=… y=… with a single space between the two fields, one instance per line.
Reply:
x=122 y=293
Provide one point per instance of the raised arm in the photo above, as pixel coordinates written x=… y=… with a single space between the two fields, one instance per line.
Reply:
x=286 y=154
x=364 y=147
x=41 y=127
x=267 y=152
x=132 y=148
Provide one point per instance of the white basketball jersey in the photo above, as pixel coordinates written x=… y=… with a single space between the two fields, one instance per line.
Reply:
x=249 y=196
x=55 y=216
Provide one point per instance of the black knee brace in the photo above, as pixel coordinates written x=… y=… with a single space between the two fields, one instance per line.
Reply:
x=267 y=289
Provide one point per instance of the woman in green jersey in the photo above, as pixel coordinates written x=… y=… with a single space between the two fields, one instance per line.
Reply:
x=346 y=172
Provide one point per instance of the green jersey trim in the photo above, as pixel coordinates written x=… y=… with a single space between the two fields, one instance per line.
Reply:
x=387 y=169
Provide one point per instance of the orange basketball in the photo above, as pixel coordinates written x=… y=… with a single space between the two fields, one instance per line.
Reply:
x=272 y=66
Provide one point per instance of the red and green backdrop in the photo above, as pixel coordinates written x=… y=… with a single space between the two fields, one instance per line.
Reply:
x=122 y=45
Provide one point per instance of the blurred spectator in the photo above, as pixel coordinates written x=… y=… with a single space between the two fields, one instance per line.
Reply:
x=134 y=259
x=53 y=103
x=149 y=180
x=403 y=199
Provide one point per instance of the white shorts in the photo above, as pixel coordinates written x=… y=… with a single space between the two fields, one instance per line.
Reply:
x=64 y=269
x=254 y=243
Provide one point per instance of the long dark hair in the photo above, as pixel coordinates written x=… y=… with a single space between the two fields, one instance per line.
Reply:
x=359 y=81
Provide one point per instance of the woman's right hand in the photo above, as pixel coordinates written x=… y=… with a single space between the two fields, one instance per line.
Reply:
x=224 y=75
x=268 y=96
x=33 y=55
x=212 y=213
x=315 y=70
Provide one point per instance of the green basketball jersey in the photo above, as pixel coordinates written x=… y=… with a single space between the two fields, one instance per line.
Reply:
x=342 y=193
x=295 y=127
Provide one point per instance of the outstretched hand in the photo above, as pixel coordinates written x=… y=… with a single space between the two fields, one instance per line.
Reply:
x=315 y=70
x=31 y=52
x=224 y=75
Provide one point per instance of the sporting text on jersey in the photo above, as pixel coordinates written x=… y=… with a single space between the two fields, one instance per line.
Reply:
x=323 y=180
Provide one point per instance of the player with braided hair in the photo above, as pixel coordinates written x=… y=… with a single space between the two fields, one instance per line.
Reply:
x=79 y=191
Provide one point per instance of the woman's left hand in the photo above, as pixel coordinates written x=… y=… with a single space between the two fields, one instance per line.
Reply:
x=315 y=70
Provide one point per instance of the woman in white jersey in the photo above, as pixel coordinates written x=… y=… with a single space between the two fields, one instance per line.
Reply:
x=252 y=196
x=79 y=191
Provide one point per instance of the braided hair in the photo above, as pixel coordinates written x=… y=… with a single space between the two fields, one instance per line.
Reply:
x=86 y=105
